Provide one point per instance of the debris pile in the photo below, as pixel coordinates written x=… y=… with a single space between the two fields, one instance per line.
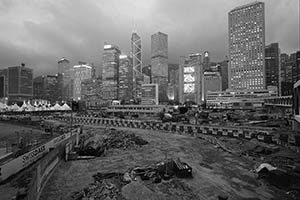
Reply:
x=159 y=171
x=108 y=186
x=115 y=139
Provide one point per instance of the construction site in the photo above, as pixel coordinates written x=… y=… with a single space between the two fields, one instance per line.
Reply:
x=130 y=164
x=173 y=153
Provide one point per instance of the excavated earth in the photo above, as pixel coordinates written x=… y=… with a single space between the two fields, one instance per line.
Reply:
x=215 y=171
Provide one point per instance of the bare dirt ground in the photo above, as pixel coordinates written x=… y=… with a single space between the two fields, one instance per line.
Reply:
x=214 y=171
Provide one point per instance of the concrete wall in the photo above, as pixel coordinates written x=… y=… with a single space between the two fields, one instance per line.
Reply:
x=45 y=168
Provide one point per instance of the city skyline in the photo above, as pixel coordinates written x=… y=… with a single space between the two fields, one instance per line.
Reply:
x=42 y=37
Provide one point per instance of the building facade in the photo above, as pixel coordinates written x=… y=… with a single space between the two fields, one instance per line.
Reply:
x=81 y=73
x=65 y=70
x=272 y=64
x=206 y=60
x=136 y=52
x=296 y=106
x=149 y=94
x=147 y=71
x=38 y=87
x=126 y=81
x=173 y=82
x=190 y=79
x=91 y=93
x=3 y=83
x=20 y=83
x=159 y=63
x=288 y=73
x=242 y=99
x=247 y=47
x=110 y=72
x=51 y=88
x=212 y=82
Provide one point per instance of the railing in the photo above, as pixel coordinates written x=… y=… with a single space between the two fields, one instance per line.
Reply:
x=283 y=101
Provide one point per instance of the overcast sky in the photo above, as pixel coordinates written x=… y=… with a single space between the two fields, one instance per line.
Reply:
x=40 y=32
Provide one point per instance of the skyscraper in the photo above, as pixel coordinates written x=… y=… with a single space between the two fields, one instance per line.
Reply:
x=159 y=63
x=173 y=79
x=38 y=87
x=247 y=47
x=3 y=83
x=212 y=82
x=65 y=83
x=296 y=68
x=81 y=73
x=110 y=72
x=125 y=78
x=286 y=75
x=63 y=65
x=206 y=61
x=190 y=79
x=136 y=51
x=51 y=86
x=272 y=65
x=20 y=83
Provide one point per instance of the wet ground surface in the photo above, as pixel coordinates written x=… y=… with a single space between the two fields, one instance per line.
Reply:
x=215 y=171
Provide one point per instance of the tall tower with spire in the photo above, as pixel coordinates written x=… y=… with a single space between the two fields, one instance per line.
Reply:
x=136 y=55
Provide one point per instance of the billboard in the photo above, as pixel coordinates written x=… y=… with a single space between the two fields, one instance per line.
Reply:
x=189 y=79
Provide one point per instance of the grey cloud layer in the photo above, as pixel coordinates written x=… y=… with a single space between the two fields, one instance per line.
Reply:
x=40 y=32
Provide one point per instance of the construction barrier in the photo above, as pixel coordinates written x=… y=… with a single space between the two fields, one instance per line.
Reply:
x=15 y=165
x=262 y=134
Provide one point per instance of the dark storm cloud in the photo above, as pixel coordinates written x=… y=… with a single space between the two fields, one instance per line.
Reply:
x=40 y=32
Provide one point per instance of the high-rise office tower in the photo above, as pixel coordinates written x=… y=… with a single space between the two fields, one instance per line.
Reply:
x=173 y=80
x=110 y=72
x=136 y=55
x=38 y=87
x=206 y=60
x=65 y=83
x=296 y=67
x=272 y=65
x=147 y=71
x=51 y=86
x=3 y=83
x=159 y=63
x=63 y=65
x=20 y=83
x=81 y=72
x=136 y=51
x=212 y=82
x=190 y=79
x=126 y=78
x=247 y=47
x=286 y=75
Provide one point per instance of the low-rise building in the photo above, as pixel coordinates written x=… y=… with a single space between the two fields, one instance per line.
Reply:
x=296 y=106
x=149 y=94
x=243 y=99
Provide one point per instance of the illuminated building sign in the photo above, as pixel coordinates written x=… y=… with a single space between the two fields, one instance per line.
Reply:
x=189 y=79
x=189 y=88
x=188 y=69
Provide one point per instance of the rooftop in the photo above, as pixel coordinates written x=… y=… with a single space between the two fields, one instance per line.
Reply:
x=247 y=5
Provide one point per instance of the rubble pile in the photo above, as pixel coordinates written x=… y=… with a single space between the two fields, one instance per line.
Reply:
x=159 y=171
x=115 y=139
x=123 y=140
x=108 y=186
